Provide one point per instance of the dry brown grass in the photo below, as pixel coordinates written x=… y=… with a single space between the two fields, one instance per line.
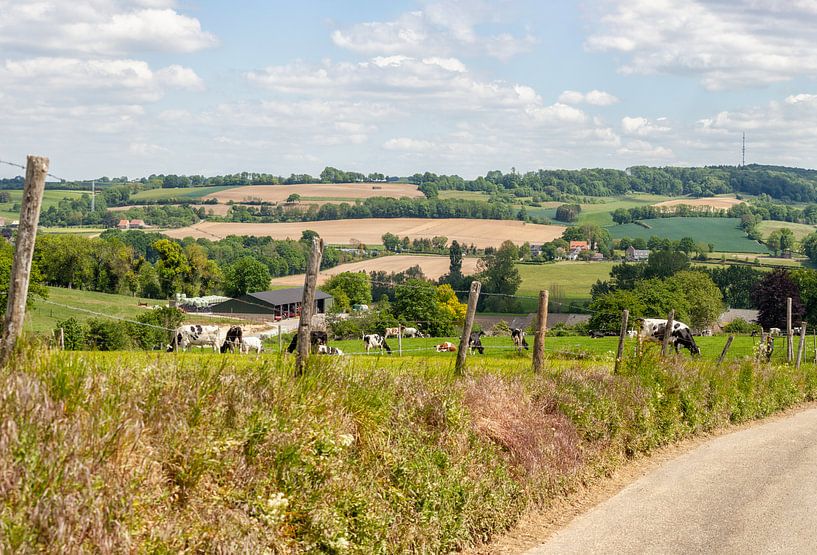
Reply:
x=720 y=203
x=482 y=233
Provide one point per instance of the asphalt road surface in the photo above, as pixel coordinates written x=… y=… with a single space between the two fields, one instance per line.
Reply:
x=753 y=491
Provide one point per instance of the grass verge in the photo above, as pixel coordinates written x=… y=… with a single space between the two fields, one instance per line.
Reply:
x=204 y=453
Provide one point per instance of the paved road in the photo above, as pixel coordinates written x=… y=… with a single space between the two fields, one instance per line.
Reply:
x=753 y=491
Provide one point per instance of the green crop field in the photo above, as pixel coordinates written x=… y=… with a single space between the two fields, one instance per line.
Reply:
x=179 y=193
x=600 y=213
x=51 y=197
x=800 y=230
x=463 y=195
x=723 y=233
x=567 y=281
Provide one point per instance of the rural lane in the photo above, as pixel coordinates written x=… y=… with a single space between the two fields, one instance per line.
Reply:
x=752 y=491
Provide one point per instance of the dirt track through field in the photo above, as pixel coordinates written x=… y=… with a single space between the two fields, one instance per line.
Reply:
x=482 y=233
x=433 y=267
x=279 y=193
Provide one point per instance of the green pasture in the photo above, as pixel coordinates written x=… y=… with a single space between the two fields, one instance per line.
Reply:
x=51 y=197
x=567 y=281
x=175 y=193
x=800 y=230
x=724 y=233
x=599 y=213
x=758 y=260
x=463 y=195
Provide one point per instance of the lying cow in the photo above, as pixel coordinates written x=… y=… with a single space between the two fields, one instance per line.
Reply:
x=316 y=339
x=233 y=340
x=518 y=336
x=196 y=334
x=375 y=341
x=680 y=336
x=475 y=342
x=391 y=332
x=251 y=344
x=327 y=350
x=446 y=347
x=596 y=334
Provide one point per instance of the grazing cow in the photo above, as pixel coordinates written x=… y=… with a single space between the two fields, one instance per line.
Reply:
x=327 y=350
x=233 y=340
x=595 y=334
x=632 y=333
x=796 y=331
x=316 y=339
x=774 y=332
x=391 y=332
x=446 y=347
x=411 y=332
x=518 y=336
x=251 y=343
x=196 y=334
x=475 y=343
x=375 y=341
x=680 y=335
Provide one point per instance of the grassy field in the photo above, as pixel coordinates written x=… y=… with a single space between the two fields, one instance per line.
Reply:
x=43 y=316
x=599 y=213
x=566 y=281
x=180 y=193
x=463 y=195
x=167 y=453
x=51 y=197
x=800 y=230
x=723 y=233
x=761 y=260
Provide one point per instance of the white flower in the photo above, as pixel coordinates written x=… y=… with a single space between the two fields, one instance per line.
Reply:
x=340 y=544
x=347 y=439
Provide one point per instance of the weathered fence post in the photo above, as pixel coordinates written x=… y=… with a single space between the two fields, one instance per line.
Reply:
x=725 y=349
x=667 y=332
x=400 y=341
x=789 y=338
x=625 y=316
x=280 y=340
x=539 y=334
x=473 y=297
x=313 y=265
x=801 y=345
x=36 y=172
x=62 y=339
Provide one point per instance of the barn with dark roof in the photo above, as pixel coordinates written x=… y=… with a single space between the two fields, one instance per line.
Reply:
x=277 y=304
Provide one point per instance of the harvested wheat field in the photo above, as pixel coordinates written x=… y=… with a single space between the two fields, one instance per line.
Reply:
x=317 y=191
x=720 y=203
x=433 y=267
x=482 y=233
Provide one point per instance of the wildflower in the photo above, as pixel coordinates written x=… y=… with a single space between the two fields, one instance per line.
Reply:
x=340 y=544
x=346 y=439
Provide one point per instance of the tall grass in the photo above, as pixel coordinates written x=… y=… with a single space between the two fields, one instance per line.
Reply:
x=198 y=453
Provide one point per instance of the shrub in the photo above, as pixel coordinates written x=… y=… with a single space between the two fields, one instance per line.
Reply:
x=73 y=334
x=148 y=337
x=107 y=335
x=739 y=325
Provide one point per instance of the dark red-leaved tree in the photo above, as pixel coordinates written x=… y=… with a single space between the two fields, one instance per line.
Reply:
x=769 y=297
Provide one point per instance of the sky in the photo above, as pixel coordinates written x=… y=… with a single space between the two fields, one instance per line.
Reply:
x=116 y=88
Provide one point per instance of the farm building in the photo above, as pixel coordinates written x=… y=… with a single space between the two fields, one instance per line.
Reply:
x=278 y=304
x=636 y=255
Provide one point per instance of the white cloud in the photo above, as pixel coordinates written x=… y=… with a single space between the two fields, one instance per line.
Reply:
x=446 y=26
x=101 y=27
x=594 y=97
x=726 y=44
x=409 y=145
x=642 y=126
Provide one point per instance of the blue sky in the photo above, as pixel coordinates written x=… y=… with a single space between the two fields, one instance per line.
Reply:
x=108 y=87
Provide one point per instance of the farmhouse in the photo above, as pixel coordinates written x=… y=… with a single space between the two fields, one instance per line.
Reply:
x=123 y=224
x=581 y=245
x=637 y=255
x=278 y=304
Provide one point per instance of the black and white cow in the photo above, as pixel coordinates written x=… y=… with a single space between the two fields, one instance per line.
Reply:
x=375 y=341
x=411 y=332
x=327 y=350
x=475 y=342
x=680 y=336
x=196 y=334
x=233 y=339
x=518 y=336
x=316 y=339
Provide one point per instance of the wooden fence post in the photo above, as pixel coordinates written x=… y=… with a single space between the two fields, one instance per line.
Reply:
x=725 y=349
x=280 y=340
x=62 y=339
x=36 y=171
x=801 y=345
x=539 y=334
x=308 y=304
x=473 y=297
x=814 y=335
x=667 y=332
x=625 y=316
x=400 y=341
x=789 y=338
